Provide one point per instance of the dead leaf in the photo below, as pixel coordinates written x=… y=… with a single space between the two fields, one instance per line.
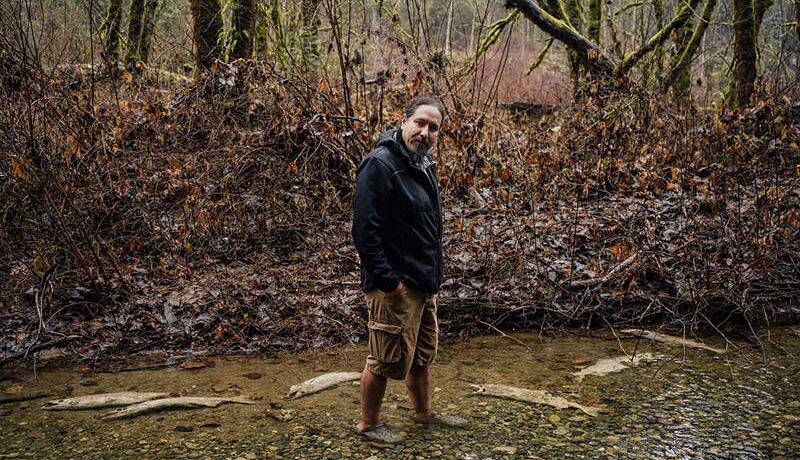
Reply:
x=18 y=169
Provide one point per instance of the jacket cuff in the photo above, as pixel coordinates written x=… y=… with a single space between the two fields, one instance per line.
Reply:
x=388 y=284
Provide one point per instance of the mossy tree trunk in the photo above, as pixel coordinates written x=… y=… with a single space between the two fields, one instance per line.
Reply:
x=135 y=23
x=682 y=15
x=679 y=73
x=206 y=29
x=110 y=29
x=659 y=14
x=309 y=37
x=567 y=12
x=682 y=79
x=151 y=7
x=595 y=19
x=244 y=29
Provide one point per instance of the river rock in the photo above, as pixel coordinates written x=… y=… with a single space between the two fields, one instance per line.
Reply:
x=505 y=450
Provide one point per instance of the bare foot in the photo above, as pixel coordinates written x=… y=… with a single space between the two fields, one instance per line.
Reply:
x=364 y=425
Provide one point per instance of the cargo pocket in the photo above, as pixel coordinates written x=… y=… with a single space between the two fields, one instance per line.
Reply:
x=385 y=342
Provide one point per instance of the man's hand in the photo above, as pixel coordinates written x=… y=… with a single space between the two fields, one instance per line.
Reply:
x=400 y=288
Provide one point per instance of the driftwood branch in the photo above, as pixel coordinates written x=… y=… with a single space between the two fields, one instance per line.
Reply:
x=613 y=273
x=503 y=334
x=561 y=31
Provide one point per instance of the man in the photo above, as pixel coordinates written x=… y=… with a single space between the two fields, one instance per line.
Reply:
x=397 y=229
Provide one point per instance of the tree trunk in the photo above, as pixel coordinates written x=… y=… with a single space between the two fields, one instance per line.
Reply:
x=110 y=29
x=595 y=18
x=448 y=45
x=243 y=29
x=744 y=53
x=207 y=25
x=682 y=61
x=567 y=12
x=151 y=7
x=135 y=21
x=561 y=31
x=658 y=12
x=682 y=80
x=471 y=46
x=797 y=17
x=683 y=14
x=761 y=7
x=310 y=36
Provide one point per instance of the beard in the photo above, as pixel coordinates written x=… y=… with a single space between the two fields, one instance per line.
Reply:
x=418 y=149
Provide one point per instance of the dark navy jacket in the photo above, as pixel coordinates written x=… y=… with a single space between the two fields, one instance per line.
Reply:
x=397 y=220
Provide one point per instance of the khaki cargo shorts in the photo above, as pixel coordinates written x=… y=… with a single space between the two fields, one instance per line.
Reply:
x=403 y=331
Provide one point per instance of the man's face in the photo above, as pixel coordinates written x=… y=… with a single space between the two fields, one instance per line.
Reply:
x=421 y=129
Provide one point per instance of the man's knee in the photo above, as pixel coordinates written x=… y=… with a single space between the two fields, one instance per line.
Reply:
x=371 y=376
x=419 y=370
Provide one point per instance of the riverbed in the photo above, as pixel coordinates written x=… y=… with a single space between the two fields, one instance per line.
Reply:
x=688 y=404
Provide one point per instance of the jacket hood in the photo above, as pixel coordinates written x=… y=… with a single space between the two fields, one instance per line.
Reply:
x=392 y=139
x=389 y=140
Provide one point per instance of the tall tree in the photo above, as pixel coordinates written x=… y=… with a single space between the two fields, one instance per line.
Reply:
x=595 y=17
x=206 y=29
x=682 y=15
x=135 y=22
x=309 y=36
x=244 y=29
x=568 y=13
x=151 y=7
x=682 y=78
x=681 y=63
x=744 y=53
x=110 y=29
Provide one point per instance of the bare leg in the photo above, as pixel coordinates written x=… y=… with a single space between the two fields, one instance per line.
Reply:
x=418 y=382
x=373 y=387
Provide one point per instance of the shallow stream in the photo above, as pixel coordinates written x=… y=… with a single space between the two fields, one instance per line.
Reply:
x=690 y=404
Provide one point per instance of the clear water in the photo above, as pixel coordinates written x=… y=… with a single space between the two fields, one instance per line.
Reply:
x=690 y=405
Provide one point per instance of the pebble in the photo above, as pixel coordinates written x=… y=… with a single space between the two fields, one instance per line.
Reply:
x=505 y=450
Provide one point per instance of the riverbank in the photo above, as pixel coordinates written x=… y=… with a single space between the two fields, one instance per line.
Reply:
x=216 y=219
x=688 y=403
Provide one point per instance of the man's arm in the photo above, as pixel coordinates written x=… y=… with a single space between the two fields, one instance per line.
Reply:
x=373 y=184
